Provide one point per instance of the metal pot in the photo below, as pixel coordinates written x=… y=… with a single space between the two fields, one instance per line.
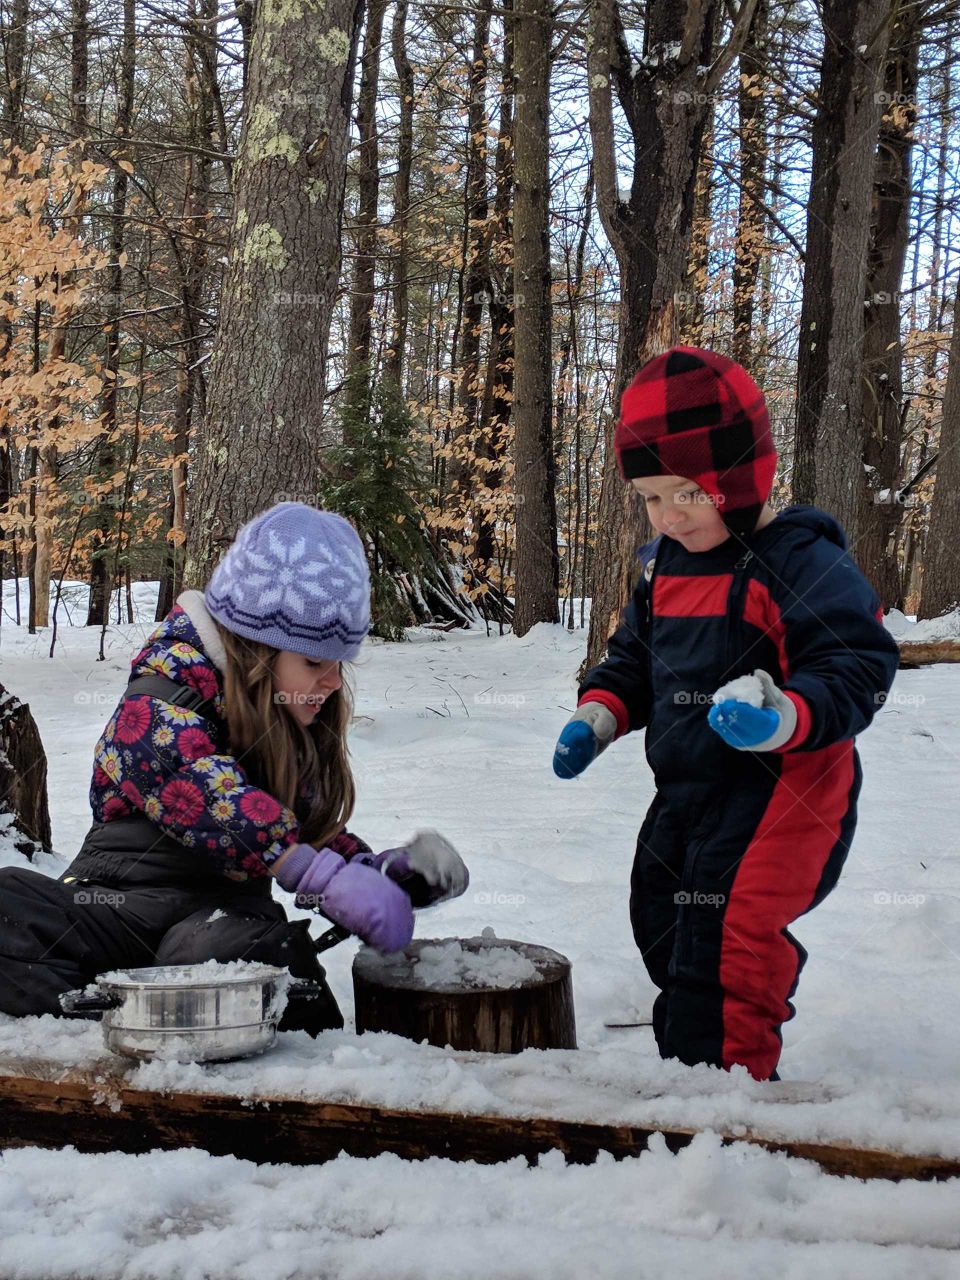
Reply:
x=188 y=1012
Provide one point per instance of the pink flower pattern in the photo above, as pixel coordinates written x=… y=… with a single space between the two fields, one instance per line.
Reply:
x=263 y=809
x=194 y=744
x=182 y=801
x=133 y=720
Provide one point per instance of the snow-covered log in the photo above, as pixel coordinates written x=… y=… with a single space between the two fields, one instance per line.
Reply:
x=98 y=1108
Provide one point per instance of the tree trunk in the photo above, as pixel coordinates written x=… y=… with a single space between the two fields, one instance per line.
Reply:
x=665 y=99
x=14 y=83
x=750 y=239
x=23 y=776
x=497 y=407
x=368 y=180
x=258 y=443
x=475 y=290
x=106 y=459
x=390 y=995
x=47 y=457
x=394 y=358
x=537 y=577
x=828 y=452
x=936 y=297
x=569 y=354
x=692 y=298
x=883 y=404
x=940 y=583
x=200 y=78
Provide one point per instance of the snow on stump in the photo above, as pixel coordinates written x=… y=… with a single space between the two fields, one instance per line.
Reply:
x=487 y=993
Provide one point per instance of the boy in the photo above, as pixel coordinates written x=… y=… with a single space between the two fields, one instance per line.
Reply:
x=756 y=794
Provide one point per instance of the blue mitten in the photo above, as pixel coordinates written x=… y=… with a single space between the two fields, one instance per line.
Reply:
x=752 y=728
x=589 y=731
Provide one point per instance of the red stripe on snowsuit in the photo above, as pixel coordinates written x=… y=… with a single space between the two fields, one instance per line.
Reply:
x=613 y=704
x=760 y=610
x=691 y=597
x=775 y=883
x=804 y=723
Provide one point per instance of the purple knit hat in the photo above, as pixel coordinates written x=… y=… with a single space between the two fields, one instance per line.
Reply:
x=295 y=578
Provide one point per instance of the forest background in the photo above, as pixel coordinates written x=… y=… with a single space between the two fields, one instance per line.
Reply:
x=400 y=259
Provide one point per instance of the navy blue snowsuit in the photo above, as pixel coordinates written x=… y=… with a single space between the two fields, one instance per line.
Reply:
x=737 y=844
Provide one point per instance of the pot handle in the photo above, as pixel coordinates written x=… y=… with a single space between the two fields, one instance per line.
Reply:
x=80 y=1005
x=332 y=936
x=304 y=989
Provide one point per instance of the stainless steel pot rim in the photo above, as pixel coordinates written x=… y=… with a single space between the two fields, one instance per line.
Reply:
x=194 y=977
x=208 y=1032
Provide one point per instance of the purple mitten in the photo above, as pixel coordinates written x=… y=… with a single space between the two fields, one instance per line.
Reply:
x=369 y=905
x=351 y=894
x=392 y=862
x=307 y=872
x=428 y=867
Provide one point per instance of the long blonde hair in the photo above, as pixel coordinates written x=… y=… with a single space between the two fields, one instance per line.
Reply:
x=280 y=755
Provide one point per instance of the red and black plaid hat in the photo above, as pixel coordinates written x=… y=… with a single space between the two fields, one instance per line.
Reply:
x=696 y=414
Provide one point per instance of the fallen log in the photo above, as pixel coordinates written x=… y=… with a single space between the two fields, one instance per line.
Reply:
x=94 y=1111
x=921 y=654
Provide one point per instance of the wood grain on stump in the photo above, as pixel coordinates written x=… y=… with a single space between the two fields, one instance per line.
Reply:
x=536 y=1014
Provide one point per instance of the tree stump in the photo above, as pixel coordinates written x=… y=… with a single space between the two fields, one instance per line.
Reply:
x=472 y=1012
x=23 y=776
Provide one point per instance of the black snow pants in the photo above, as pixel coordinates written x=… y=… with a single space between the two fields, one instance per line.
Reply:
x=131 y=900
x=718 y=876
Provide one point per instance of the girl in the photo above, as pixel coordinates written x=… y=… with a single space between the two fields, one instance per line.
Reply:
x=225 y=766
x=757 y=784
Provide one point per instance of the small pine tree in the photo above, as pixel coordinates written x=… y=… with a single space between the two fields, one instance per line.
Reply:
x=374 y=480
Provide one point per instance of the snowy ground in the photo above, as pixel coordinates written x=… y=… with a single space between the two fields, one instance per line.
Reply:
x=456 y=731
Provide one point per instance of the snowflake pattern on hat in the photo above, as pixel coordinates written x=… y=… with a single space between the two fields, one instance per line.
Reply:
x=295 y=578
x=287 y=580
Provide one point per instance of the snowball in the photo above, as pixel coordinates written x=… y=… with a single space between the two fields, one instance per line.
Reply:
x=743 y=689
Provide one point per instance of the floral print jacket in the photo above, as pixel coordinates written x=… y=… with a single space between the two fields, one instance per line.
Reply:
x=174 y=765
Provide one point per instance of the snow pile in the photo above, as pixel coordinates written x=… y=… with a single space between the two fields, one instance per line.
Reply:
x=909 y=631
x=709 y=1210
x=492 y=966
x=743 y=689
